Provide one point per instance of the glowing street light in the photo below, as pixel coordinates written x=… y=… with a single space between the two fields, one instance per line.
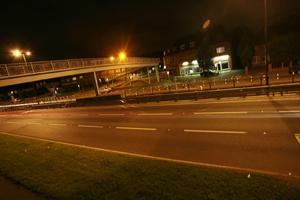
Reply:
x=206 y=24
x=122 y=56
x=111 y=58
x=18 y=53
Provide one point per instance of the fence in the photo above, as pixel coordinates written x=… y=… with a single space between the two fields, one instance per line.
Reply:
x=15 y=69
x=201 y=84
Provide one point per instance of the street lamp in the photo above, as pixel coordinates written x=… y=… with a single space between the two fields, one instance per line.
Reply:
x=122 y=56
x=206 y=24
x=168 y=73
x=266 y=40
x=111 y=58
x=18 y=53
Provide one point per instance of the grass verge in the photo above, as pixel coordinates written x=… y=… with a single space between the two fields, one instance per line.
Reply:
x=65 y=172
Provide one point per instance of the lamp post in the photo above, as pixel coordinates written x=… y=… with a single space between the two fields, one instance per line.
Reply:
x=266 y=41
x=111 y=58
x=18 y=53
x=122 y=56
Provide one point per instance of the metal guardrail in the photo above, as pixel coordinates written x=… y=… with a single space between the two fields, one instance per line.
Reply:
x=206 y=94
x=16 y=69
x=201 y=84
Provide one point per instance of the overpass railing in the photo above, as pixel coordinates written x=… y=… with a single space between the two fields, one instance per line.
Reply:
x=16 y=69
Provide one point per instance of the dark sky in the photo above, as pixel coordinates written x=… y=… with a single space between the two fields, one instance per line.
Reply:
x=89 y=28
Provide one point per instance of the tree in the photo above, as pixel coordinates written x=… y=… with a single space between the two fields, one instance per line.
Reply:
x=210 y=35
x=204 y=53
x=285 y=47
x=242 y=47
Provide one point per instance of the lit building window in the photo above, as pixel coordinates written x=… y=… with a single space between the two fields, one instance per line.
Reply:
x=185 y=63
x=195 y=62
x=220 y=50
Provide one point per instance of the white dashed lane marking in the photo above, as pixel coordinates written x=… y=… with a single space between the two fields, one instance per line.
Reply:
x=10 y=122
x=136 y=128
x=214 y=131
x=289 y=111
x=88 y=126
x=220 y=113
x=57 y=124
x=111 y=114
x=155 y=114
x=33 y=123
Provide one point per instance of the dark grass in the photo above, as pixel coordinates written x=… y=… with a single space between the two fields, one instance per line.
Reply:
x=64 y=172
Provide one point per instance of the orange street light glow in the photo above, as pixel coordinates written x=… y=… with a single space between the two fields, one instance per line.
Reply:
x=206 y=24
x=16 y=52
x=28 y=53
x=122 y=56
x=112 y=58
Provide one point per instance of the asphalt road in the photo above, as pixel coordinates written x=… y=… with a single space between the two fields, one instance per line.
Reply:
x=257 y=133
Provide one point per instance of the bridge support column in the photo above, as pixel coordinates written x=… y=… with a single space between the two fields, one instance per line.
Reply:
x=157 y=74
x=96 y=84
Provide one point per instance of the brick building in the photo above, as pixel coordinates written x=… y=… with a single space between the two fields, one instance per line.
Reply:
x=182 y=58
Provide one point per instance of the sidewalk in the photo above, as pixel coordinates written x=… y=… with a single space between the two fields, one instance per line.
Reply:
x=11 y=191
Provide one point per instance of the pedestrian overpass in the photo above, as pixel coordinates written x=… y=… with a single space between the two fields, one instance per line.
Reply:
x=18 y=73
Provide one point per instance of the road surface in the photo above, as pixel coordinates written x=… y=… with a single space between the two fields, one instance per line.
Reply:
x=256 y=133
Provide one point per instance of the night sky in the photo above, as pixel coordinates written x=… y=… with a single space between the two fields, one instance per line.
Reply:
x=60 y=29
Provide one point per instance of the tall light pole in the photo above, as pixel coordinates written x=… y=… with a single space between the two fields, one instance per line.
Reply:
x=122 y=56
x=266 y=41
x=18 y=53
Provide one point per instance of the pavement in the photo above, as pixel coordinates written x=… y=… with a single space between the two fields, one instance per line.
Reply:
x=258 y=134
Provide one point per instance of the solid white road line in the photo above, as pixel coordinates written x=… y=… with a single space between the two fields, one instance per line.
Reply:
x=214 y=131
x=57 y=124
x=111 y=114
x=247 y=170
x=136 y=128
x=155 y=114
x=88 y=126
x=220 y=113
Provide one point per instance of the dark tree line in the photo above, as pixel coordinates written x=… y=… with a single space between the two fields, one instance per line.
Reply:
x=242 y=45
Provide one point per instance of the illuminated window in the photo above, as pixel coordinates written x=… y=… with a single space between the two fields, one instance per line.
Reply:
x=220 y=50
x=185 y=63
x=195 y=62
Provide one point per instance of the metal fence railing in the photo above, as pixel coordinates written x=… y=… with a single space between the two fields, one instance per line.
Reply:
x=15 y=69
x=201 y=84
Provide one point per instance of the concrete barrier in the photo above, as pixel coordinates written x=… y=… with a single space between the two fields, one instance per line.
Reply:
x=101 y=100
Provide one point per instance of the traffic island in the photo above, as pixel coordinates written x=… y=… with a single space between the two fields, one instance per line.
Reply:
x=62 y=171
